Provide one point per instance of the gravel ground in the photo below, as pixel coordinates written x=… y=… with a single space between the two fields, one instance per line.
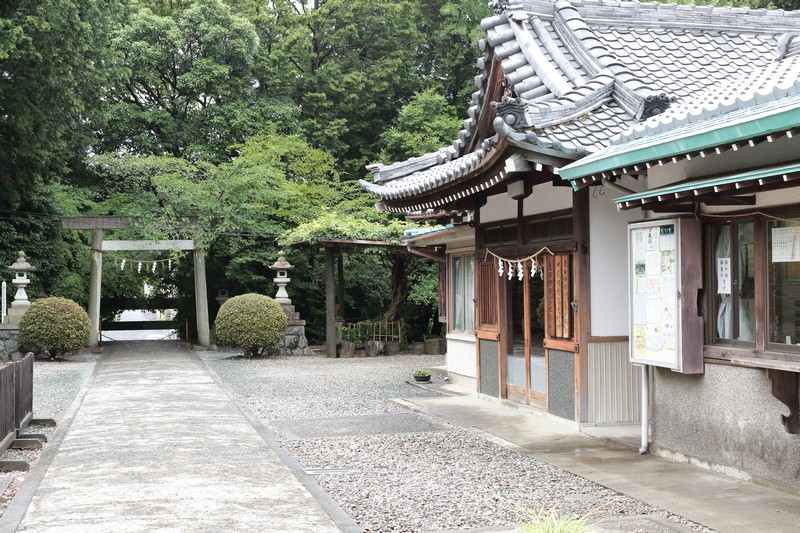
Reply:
x=55 y=385
x=439 y=478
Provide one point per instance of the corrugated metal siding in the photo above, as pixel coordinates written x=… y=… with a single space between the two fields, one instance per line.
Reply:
x=615 y=385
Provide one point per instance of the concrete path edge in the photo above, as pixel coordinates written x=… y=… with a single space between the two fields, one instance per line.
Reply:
x=12 y=517
x=342 y=520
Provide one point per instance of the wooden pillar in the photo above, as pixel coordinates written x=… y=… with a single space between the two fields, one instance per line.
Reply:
x=340 y=285
x=581 y=272
x=95 y=279
x=201 y=298
x=330 y=304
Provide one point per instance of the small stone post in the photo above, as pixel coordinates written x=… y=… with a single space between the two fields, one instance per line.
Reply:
x=20 y=267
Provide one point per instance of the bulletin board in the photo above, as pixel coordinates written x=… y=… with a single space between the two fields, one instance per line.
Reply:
x=654 y=285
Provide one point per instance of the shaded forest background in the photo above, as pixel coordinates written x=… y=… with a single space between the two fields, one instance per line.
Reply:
x=256 y=118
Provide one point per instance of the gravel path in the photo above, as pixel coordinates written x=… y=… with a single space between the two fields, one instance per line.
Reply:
x=401 y=471
x=55 y=385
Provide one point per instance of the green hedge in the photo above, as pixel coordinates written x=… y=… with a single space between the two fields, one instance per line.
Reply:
x=54 y=325
x=253 y=322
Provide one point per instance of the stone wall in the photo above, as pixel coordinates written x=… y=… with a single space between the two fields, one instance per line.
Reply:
x=9 y=343
x=295 y=342
x=725 y=420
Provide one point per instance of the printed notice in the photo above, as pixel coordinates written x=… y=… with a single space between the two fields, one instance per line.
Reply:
x=785 y=244
x=654 y=280
x=639 y=340
x=723 y=275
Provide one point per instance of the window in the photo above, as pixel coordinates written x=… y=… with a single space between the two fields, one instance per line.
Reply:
x=734 y=305
x=783 y=282
x=462 y=272
x=748 y=310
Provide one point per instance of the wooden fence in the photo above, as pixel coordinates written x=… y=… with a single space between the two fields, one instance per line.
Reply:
x=16 y=399
x=23 y=385
x=360 y=332
x=8 y=407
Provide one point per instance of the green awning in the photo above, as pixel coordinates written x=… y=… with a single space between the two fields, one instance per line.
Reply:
x=730 y=185
x=736 y=126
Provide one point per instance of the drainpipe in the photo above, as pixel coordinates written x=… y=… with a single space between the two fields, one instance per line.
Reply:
x=645 y=409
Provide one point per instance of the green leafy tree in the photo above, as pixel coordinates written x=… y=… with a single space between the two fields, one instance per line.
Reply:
x=424 y=125
x=49 y=56
x=188 y=87
x=352 y=62
x=449 y=54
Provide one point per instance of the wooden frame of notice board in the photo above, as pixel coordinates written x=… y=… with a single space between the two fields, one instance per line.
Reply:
x=664 y=284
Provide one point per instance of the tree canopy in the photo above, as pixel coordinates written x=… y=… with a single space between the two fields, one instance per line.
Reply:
x=242 y=124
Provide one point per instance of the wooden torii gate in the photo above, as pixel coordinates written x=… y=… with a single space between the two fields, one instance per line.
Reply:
x=97 y=225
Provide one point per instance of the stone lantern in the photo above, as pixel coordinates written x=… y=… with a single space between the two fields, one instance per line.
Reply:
x=20 y=267
x=282 y=267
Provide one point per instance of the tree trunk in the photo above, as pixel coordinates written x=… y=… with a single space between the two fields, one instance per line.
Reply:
x=399 y=285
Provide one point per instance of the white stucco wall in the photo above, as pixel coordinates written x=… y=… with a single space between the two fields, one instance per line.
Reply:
x=498 y=207
x=461 y=355
x=608 y=238
x=544 y=198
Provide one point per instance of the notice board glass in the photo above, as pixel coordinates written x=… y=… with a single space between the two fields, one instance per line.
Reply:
x=654 y=286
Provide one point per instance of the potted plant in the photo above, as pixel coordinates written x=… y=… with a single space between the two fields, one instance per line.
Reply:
x=421 y=375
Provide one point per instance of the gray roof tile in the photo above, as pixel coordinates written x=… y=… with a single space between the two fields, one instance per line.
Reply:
x=584 y=71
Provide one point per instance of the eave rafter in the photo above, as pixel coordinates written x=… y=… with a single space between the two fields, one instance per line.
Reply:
x=739 y=193
x=641 y=168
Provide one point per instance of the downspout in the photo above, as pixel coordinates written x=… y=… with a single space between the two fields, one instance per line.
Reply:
x=645 y=394
x=645 y=410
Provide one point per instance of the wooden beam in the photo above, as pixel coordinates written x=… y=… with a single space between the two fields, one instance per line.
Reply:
x=330 y=304
x=105 y=222
x=115 y=246
x=581 y=295
x=421 y=252
x=340 y=285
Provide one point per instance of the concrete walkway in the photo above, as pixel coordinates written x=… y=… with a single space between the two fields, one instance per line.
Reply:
x=153 y=443
x=722 y=503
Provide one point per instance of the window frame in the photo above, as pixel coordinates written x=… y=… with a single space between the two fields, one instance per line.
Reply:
x=762 y=348
x=468 y=304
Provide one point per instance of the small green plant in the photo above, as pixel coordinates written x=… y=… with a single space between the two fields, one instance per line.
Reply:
x=253 y=322
x=421 y=373
x=552 y=522
x=55 y=326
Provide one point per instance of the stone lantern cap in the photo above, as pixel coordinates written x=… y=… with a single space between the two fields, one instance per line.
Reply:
x=281 y=263
x=21 y=264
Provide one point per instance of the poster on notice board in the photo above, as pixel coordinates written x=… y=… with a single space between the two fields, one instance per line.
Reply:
x=654 y=271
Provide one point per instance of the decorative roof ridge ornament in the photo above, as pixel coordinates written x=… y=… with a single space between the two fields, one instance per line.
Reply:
x=521 y=113
x=499 y=6
x=788 y=46
x=633 y=93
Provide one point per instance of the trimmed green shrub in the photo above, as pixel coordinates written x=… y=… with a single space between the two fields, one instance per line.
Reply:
x=253 y=322
x=54 y=325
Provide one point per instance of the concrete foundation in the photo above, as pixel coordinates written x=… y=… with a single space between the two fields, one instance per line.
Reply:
x=725 y=420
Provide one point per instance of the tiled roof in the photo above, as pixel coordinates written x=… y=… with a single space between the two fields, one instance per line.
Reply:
x=773 y=81
x=580 y=72
x=432 y=177
x=754 y=94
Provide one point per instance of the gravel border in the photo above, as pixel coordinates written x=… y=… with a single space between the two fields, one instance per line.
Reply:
x=442 y=479
x=55 y=386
